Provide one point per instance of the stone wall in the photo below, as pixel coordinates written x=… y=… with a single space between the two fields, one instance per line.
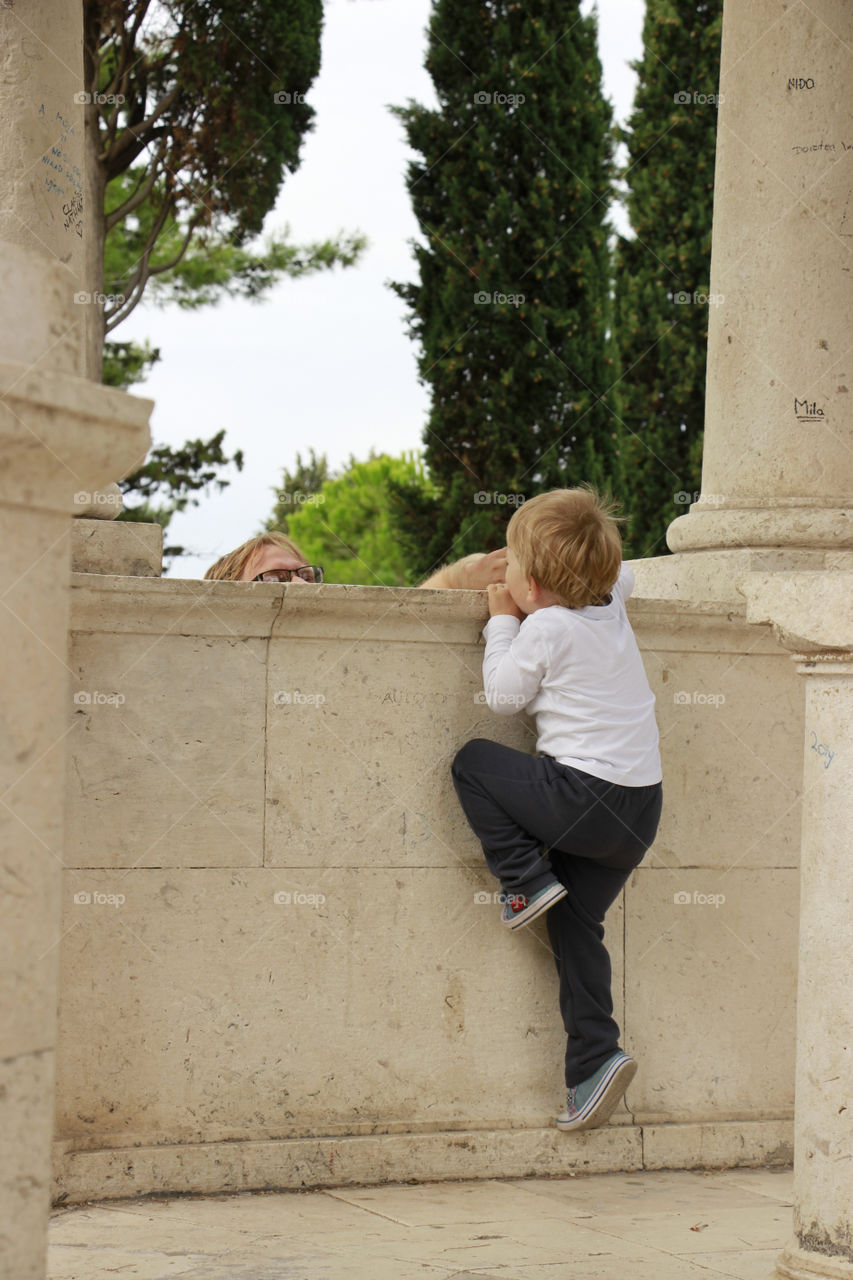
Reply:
x=281 y=961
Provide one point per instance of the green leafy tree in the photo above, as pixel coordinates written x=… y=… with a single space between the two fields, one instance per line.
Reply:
x=196 y=113
x=512 y=306
x=176 y=476
x=306 y=479
x=347 y=526
x=663 y=270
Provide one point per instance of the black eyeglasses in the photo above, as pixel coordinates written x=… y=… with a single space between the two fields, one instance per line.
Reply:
x=306 y=572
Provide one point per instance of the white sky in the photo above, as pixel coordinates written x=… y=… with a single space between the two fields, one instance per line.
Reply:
x=325 y=362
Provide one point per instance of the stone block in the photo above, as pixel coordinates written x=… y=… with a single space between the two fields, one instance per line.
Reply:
x=729 y=708
x=289 y=1002
x=26 y=1089
x=710 y=961
x=166 y=751
x=116 y=547
x=361 y=739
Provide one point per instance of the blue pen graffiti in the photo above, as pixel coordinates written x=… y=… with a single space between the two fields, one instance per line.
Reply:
x=822 y=749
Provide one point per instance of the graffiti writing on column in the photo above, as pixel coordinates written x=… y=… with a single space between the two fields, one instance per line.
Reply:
x=808 y=410
x=822 y=749
x=833 y=148
x=62 y=178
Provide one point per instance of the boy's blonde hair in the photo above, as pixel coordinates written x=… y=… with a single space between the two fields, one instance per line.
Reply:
x=233 y=565
x=568 y=541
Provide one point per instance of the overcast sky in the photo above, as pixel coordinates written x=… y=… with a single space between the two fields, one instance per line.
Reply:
x=325 y=362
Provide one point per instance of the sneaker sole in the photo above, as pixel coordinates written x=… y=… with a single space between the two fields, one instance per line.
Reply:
x=537 y=908
x=603 y=1103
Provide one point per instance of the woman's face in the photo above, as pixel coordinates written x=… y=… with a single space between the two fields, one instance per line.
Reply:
x=270 y=557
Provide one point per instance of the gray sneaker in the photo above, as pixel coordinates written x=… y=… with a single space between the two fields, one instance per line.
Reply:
x=519 y=910
x=593 y=1101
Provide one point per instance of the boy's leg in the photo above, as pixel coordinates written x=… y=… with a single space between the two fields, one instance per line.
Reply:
x=512 y=809
x=620 y=825
x=576 y=932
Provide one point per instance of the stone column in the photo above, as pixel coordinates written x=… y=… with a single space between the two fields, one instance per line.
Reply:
x=777 y=473
x=812 y=614
x=60 y=436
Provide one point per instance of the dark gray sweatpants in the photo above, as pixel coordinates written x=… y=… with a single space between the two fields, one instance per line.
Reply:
x=594 y=834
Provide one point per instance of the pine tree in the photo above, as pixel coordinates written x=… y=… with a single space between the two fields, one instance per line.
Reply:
x=663 y=272
x=511 y=310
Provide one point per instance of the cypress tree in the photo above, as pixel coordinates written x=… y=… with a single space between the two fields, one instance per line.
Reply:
x=663 y=271
x=511 y=310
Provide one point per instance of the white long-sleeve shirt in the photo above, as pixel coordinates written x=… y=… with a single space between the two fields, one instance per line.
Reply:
x=579 y=672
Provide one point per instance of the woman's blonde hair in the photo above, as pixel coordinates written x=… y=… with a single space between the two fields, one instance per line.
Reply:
x=568 y=541
x=232 y=566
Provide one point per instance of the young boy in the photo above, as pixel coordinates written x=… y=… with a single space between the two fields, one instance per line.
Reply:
x=559 y=644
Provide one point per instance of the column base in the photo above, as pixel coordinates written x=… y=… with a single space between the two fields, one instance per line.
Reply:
x=795 y=1263
x=804 y=524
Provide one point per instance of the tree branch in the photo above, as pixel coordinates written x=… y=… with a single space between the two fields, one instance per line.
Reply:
x=140 y=195
x=135 y=135
x=138 y=280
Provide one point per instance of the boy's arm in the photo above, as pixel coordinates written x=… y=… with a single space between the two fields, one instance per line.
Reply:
x=625 y=581
x=513 y=665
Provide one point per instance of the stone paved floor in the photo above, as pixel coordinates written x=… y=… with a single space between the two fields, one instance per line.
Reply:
x=621 y=1226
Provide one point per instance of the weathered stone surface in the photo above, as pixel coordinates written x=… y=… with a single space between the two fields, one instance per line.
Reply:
x=166 y=751
x=282 y=1002
x=729 y=710
x=26 y=1088
x=122 y=547
x=710 y=970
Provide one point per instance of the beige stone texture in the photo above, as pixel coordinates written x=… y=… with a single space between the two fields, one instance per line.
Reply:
x=166 y=752
x=59 y=436
x=123 y=548
x=378 y=1003
x=26 y=1086
x=729 y=712
x=339 y=1041
x=823 y=1179
x=702 y=578
x=703 y=949
x=104 y=504
x=646 y=1226
x=777 y=466
x=808 y=611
